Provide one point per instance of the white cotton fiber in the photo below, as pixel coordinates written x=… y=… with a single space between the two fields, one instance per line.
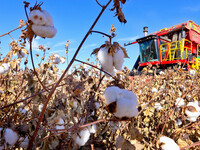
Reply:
x=92 y=128
x=49 y=20
x=157 y=106
x=106 y=60
x=44 y=31
x=56 y=59
x=60 y=124
x=126 y=108
x=38 y=17
x=62 y=60
x=10 y=136
x=111 y=94
x=25 y=142
x=4 y=68
x=83 y=137
x=180 y=102
x=128 y=94
x=168 y=144
x=192 y=115
x=118 y=58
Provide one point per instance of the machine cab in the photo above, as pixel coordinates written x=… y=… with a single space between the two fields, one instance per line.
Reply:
x=149 y=49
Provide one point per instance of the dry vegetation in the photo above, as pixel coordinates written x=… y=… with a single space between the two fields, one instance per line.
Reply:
x=49 y=111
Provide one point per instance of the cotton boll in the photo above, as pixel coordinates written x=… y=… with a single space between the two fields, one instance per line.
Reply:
x=180 y=102
x=92 y=128
x=56 y=59
x=192 y=111
x=126 y=108
x=111 y=94
x=83 y=137
x=97 y=105
x=21 y=53
x=154 y=90
x=106 y=60
x=118 y=58
x=22 y=111
x=178 y=122
x=25 y=142
x=192 y=72
x=44 y=31
x=158 y=106
x=62 y=60
x=10 y=136
x=161 y=73
x=40 y=107
x=168 y=144
x=38 y=17
x=60 y=124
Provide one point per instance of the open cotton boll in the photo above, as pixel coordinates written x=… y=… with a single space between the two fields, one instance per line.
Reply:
x=38 y=17
x=158 y=106
x=168 y=144
x=60 y=124
x=10 y=137
x=92 y=128
x=49 y=20
x=180 y=102
x=56 y=59
x=111 y=94
x=154 y=90
x=105 y=60
x=192 y=111
x=83 y=137
x=126 y=108
x=192 y=72
x=118 y=58
x=62 y=60
x=44 y=31
x=21 y=53
x=25 y=142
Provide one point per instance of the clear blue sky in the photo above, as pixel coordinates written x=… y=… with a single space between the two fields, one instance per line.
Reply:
x=73 y=18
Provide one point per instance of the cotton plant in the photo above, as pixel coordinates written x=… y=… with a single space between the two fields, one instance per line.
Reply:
x=42 y=23
x=4 y=68
x=122 y=103
x=192 y=111
x=111 y=57
x=56 y=59
x=167 y=143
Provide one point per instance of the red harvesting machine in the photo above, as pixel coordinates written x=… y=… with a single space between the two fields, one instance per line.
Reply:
x=167 y=47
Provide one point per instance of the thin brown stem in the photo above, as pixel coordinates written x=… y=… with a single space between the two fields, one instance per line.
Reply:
x=193 y=145
x=36 y=74
x=95 y=67
x=110 y=37
x=11 y=31
x=98 y=3
x=63 y=75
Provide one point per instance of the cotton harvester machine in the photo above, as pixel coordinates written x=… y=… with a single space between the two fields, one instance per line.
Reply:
x=169 y=46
